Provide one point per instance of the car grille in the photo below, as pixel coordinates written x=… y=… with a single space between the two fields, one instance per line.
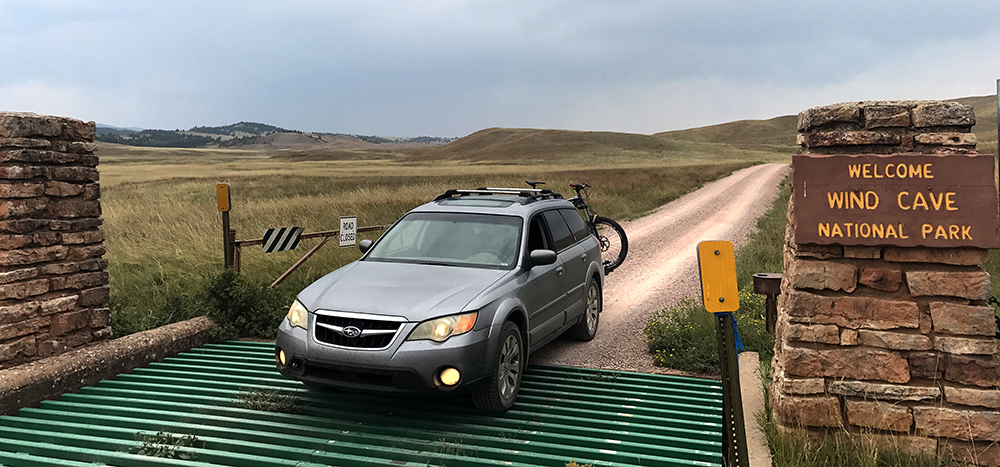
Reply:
x=376 y=333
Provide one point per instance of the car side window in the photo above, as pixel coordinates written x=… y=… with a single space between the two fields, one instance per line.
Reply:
x=562 y=237
x=537 y=240
x=576 y=223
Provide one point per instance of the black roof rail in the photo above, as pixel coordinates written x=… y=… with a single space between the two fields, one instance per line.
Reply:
x=527 y=195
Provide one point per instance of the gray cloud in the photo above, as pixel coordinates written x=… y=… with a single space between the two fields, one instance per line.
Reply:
x=453 y=67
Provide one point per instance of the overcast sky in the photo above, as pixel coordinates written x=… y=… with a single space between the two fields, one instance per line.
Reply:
x=449 y=68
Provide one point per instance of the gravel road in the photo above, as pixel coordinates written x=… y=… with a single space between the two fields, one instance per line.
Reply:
x=661 y=267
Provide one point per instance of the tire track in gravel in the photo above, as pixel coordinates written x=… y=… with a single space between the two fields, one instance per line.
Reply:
x=661 y=267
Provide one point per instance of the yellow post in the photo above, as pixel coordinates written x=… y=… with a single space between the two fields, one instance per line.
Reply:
x=717 y=264
x=225 y=202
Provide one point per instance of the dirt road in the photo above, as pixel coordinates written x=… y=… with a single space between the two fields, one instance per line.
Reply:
x=662 y=268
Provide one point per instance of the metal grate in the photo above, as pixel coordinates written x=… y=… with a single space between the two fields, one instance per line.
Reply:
x=562 y=414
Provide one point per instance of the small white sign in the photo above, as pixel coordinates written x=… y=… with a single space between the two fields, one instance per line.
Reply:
x=348 y=231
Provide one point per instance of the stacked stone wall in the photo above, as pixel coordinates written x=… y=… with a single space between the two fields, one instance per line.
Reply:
x=53 y=283
x=892 y=342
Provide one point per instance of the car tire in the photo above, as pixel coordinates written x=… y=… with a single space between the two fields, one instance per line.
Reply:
x=500 y=390
x=586 y=329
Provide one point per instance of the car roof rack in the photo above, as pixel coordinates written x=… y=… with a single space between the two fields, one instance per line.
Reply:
x=526 y=195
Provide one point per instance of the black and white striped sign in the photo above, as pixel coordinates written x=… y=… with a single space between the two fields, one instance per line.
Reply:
x=281 y=239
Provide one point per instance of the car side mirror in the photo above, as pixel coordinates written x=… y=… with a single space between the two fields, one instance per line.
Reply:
x=542 y=257
x=365 y=245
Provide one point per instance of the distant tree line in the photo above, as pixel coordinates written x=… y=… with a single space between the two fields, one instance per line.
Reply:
x=252 y=133
x=430 y=140
x=254 y=128
x=158 y=139
x=381 y=139
x=113 y=131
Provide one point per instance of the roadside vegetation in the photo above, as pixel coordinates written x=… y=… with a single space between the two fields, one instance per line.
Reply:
x=840 y=449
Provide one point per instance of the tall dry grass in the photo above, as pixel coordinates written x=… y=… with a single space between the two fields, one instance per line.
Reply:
x=164 y=233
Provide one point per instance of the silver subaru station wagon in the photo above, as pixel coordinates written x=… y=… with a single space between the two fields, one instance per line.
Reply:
x=453 y=298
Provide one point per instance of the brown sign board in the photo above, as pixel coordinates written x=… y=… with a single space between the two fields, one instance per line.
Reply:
x=931 y=200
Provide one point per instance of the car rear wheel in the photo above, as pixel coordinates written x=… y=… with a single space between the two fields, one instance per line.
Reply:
x=586 y=329
x=501 y=388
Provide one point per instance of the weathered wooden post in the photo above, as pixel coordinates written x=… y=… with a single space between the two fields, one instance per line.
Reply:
x=883 y=325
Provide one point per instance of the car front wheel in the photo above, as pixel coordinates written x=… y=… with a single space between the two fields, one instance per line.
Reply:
x=500 y=390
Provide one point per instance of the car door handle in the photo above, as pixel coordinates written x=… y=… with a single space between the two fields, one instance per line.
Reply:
x=583 y=257
x=559 y=271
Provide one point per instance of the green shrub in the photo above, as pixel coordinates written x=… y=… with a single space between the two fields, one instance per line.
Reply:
x=683 y=337
x=241 y=308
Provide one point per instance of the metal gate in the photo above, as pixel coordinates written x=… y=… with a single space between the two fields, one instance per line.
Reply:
x=562 y=414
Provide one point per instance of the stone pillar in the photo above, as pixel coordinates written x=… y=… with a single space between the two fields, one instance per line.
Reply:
x=878 y=333
x=53 y=284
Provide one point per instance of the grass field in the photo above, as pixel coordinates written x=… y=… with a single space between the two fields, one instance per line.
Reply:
x=164 y=234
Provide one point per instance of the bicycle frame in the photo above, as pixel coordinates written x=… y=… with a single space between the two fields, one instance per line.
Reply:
x=580 y=203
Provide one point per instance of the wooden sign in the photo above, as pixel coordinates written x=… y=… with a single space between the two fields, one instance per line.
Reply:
x=932 y=200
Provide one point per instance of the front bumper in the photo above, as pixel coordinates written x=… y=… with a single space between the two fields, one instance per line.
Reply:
x=404 y=367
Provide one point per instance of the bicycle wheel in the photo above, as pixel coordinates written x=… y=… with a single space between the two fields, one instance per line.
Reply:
x=614 y=244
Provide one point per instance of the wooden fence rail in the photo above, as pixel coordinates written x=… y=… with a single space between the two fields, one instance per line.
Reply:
x=236 y=245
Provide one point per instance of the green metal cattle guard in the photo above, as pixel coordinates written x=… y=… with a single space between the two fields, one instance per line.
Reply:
x=562 y=414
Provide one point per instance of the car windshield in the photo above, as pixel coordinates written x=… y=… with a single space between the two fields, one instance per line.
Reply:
x=452 y=239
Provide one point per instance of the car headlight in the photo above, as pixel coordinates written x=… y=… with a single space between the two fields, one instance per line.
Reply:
x=298 y=316
x=440 y=329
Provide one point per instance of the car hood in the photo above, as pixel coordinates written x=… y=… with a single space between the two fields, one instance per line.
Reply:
x=414 y=291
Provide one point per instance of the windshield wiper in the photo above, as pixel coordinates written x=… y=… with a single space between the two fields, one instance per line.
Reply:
x=437 y=263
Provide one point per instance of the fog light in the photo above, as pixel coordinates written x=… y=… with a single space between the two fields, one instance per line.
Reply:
x=449 y=376
x=281 y=356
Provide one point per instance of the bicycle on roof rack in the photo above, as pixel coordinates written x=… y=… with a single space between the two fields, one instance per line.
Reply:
x=611 y=235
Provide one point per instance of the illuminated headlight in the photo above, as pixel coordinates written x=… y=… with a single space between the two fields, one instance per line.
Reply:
x=298 y=317
x=440 y=329
x=449 y=376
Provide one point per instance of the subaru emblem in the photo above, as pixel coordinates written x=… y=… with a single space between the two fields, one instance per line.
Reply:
x=351 y=332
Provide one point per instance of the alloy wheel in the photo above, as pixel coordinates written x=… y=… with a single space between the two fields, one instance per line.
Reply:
x=509 y=370
x=593 y=307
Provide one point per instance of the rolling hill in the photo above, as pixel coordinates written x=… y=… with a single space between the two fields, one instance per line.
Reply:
x=253 y=136
x=519 y=144
x=761 y=139
x=778 y=131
